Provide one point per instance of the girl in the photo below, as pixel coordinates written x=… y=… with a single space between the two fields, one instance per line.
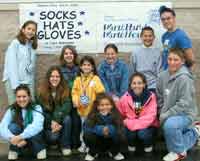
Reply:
x=103 y=128
x=178 y=110
x=53 y=95
x=19 y=67
x=86 y=86
x=22 y=125
x=69 y=69
x=138 y=108
x=113 y=72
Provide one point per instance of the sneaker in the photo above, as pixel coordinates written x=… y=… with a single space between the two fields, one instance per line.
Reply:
x=66 y=151
x=119 y=156
x=197 y=129
x=131 y=148
x=82 y=148
x=42 y=154
x=174 y=156
x=89 y=157
x=12 y=155
x=148 y=149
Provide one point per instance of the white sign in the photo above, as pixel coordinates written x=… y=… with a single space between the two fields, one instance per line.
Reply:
x=90 y=26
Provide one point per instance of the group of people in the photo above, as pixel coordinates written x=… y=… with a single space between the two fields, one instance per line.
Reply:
x=92 y=110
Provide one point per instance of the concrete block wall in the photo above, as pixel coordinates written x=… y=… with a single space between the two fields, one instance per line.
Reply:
x=188 y=15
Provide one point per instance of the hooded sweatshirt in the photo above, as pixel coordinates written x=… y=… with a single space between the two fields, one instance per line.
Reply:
x=176 y=94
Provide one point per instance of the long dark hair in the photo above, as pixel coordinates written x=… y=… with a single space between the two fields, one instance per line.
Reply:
x=93 y=118
x=21 y=37
x=45 y=90
x=91 y=61
x=74 y=52
x=137 y=74
x=17 y=109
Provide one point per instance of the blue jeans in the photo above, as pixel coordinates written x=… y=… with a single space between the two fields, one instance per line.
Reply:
x=145 y=135
x=36 y=142
x=63 y=137
x=178 y=135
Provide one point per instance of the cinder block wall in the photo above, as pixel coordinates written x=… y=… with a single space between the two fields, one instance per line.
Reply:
x=188 y=15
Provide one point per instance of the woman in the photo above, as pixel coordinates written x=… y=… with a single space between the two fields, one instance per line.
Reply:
x=53 y=95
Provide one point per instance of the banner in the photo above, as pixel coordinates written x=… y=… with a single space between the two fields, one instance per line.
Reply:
x=90 y=26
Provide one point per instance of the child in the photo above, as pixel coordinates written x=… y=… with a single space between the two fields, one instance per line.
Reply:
x=86 y=86
x=138 y=108
x=19 y=67
x=69 y=68
x=113 y=72
x=103 y=129
x=54 y=97
x=178 y=110
x=146 y=58
x=22 y=125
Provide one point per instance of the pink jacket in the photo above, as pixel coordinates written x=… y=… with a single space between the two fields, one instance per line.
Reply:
x=147 y=117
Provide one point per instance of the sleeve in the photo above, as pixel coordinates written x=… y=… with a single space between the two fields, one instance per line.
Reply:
x=97 y=129
x=159 y=94
x=120 y=108
x=102 y=76
x=37 y=124
x=5 y=133
x=12 y=64
x=99 y=87
x=31 y=66
x=146 y=118
x=184 y=41
x=124 y=81
x=132 y=65
x=75 y=92
x=184 y=100
x=62 y=111
x=159 y=64
x=112 y=130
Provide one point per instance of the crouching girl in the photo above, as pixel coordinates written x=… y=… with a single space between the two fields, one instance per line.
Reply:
x=22 y=125
x=103 y=129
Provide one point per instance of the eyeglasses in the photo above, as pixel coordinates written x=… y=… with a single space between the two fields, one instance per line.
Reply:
x=166 y=18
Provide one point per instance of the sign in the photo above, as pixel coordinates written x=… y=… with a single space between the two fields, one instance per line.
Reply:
x=90 y=26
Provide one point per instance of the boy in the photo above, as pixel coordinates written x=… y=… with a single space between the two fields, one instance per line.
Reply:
x=146 y=59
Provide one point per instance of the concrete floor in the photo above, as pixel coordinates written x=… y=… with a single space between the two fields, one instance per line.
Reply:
x=159 y=152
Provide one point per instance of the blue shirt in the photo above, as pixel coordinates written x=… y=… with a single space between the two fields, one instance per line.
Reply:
x=115 y=80
x=178 y=39
x=19 y=66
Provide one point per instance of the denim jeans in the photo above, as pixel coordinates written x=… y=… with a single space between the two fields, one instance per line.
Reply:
x=35 y=143
x=76 y=128
x=145 y=135
x=63 y=137
x=179 y=136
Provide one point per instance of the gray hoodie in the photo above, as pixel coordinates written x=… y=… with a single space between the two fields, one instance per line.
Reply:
x=176 y=94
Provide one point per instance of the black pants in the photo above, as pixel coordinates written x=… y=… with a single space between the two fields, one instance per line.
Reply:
x=76 y=129
x=98 y=144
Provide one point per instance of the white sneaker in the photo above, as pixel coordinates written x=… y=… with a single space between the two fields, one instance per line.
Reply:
x=171 y=156
x=131 y=148
x=42 y=154
x=119 y=156
x=66 y=151
x=82 y=148
x=148 y=149
x=89 y=157
x=197 y=129
x=12 y=155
